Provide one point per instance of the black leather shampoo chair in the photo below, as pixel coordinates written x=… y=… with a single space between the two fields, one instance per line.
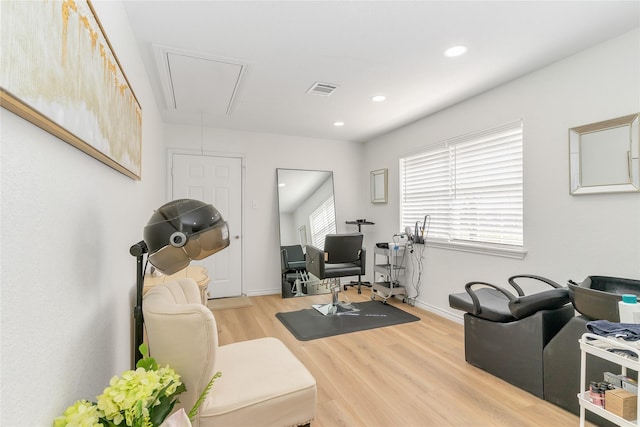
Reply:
x=595 y=298
x=505 y=334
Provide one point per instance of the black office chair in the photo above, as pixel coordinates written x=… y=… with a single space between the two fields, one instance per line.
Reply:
x=294 y=268
x=343 y=256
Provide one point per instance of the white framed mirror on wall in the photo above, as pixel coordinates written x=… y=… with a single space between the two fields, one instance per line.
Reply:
x=604 y=157
x=379 y=186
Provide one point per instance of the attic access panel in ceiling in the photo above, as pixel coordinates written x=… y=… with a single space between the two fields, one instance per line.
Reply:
x=196 y=82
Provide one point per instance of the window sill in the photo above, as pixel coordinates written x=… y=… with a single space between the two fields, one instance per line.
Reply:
x=479 y=249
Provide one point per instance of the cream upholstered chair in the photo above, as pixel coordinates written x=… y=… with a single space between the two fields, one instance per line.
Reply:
x=262 y=383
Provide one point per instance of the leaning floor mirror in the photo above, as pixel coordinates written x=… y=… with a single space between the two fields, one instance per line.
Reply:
x=306 y=215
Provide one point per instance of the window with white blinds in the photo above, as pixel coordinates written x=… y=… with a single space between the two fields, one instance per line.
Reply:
x=323 y=222
x=470 y=186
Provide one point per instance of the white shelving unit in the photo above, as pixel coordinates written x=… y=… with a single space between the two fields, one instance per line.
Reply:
x=587 y=347
x=388 y=262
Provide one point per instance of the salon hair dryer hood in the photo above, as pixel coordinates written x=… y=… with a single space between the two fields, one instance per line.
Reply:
x=184 y=230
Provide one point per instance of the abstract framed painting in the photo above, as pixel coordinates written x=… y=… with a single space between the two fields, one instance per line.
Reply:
x=60 y=73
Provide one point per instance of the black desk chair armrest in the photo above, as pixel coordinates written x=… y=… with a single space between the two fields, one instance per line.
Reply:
x=284 y=260
x=315 y=261
x=476 y=302
x=549 y=282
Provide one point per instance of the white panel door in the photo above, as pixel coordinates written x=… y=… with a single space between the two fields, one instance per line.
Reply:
x=215 y=180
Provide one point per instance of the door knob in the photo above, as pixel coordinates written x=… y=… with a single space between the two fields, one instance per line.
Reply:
x=236 y=237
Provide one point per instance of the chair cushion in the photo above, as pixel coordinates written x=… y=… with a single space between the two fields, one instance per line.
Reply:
x=275 y=389
x=341 y=270
x=494 y=305
x=546 y=300
x=297 y=265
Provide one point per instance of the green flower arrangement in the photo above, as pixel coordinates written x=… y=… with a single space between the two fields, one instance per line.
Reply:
x=140 y=398
x=80 y=414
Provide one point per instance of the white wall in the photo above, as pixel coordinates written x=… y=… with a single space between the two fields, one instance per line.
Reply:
x=263 y=154
x=567 y=237
x=67 y=279
x=288 y=230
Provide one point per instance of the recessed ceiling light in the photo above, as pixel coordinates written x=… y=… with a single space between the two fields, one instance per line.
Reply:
x=282 y=184
x=338 y=124
x=378 y=98
x=455 y=51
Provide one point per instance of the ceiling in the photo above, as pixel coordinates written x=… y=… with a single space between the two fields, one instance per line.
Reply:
x=247 y=65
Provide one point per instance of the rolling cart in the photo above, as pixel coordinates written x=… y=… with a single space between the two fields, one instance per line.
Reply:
x=388 y=262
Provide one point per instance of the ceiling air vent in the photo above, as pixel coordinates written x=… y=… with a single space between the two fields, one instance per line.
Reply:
x=322 y=89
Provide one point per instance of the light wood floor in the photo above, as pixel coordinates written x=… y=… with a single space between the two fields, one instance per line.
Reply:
x=399 y=376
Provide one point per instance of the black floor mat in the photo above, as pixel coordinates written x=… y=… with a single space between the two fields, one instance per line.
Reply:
x=309 y=324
